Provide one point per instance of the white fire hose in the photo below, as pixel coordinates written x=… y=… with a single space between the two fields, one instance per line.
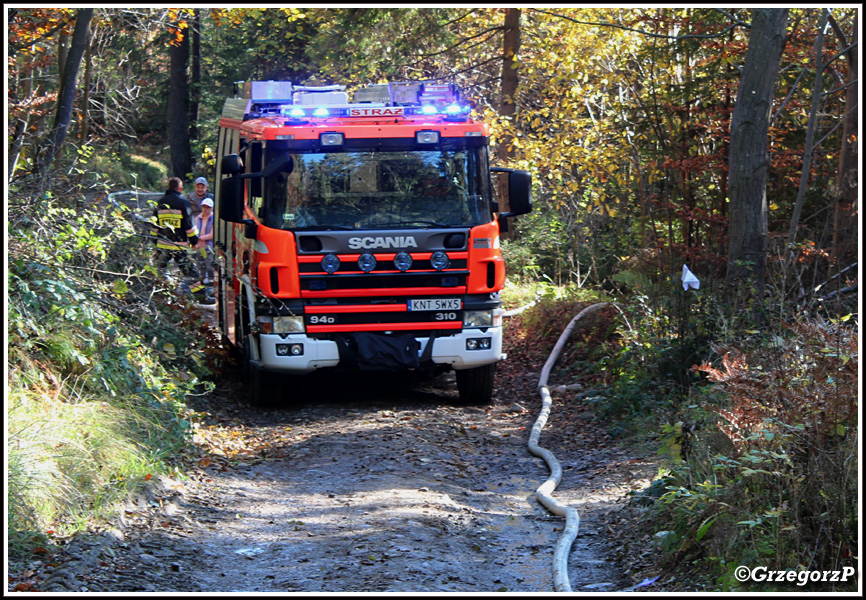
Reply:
x=572 y=520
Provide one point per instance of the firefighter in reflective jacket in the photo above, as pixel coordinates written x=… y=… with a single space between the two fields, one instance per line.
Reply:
x=175 y=234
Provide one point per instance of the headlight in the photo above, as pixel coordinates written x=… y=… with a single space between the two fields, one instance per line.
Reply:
x=427 y=137
x=439 y=260
x=478 y=344
x=330 y=263
x=288 y=324
x=367 y=262
x=478 y=318
x=290 y=349
x=403 y=261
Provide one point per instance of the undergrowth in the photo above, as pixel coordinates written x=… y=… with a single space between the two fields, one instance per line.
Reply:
x=101 y=357
x=756 y=424
x=771 y=480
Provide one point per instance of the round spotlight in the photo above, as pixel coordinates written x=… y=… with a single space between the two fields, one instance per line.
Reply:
x=330 y=263
x=403 y=261
x=367 y=262
x=439 y=260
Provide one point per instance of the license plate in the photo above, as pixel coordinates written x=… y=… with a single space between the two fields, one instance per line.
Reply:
x=435 y=304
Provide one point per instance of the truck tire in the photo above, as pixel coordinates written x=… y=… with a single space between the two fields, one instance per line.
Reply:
x=260 y=387
x=476 y=385
x=258 y=381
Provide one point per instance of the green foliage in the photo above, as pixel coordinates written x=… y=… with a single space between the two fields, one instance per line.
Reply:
x=645 y=366
x=626 y=135
x=93 y=407
x=98 y=165
x=771 y=479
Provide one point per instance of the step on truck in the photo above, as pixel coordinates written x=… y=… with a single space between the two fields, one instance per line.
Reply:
x=360 y=236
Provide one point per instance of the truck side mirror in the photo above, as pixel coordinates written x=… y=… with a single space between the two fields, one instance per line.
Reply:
x=231 y=204
x=519 y=191
x=231 y=164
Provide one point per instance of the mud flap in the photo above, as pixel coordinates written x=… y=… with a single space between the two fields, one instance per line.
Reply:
x=376 y=351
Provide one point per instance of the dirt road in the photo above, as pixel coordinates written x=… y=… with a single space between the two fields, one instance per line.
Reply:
x=365 y=487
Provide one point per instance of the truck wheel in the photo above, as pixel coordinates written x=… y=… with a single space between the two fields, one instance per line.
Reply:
x=259 y=383
x=260 y=387
x=476 y=385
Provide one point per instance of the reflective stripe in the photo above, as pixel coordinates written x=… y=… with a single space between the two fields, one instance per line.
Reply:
x=164 y=245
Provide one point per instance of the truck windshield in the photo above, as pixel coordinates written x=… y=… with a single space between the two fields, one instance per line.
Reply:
x=379 y=189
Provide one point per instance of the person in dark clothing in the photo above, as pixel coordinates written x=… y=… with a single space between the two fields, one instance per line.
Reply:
x=174 y=233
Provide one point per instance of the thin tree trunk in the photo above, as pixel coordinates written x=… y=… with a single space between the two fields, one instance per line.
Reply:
x=510 y=78
x=749 y=159
x=845 y=214
x=178 y=108
x=810 y=132
x=195 y=90
x=62 y=52
x=508 y=97
x=66 y=95
x=85 y=98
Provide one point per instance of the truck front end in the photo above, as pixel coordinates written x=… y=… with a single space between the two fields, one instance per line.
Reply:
x=370 y=237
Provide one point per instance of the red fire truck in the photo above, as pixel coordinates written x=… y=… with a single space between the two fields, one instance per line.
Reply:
x=360 y=235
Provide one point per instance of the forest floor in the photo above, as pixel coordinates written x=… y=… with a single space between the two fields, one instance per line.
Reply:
x=356 y=487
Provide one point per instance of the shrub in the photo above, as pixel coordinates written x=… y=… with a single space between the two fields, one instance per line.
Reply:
x=776 y=484
x=93 y=406
x=118 y=166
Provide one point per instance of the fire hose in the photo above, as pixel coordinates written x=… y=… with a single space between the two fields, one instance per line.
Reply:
x=543 y=493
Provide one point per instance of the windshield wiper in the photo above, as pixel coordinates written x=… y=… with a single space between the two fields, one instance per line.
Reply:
x=415 y=222
x=323 y=228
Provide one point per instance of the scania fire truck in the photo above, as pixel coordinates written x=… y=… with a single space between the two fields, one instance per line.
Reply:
x=360 y=235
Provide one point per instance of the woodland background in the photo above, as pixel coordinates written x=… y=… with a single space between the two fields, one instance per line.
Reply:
x=721 y=139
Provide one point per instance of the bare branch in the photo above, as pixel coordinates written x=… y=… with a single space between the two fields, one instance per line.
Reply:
x=734 y=24
x=841 y=34
x=491 y=30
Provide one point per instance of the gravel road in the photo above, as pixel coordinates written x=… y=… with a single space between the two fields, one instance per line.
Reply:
x=373 y=483
x=358 y=490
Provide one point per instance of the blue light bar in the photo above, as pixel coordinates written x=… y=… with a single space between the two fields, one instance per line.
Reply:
x=321 y=112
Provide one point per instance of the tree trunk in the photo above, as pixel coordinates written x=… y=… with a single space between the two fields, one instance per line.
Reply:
x=817 y=88
x=62 y=52
x=178 y=108
x=845 y=217
x=749 y=161
x=195 y=90
x=508 y=98
x=66 y=94
x=85 y=98
x=510 y=79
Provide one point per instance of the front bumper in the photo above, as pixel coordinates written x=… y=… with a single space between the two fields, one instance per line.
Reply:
x=319 y=354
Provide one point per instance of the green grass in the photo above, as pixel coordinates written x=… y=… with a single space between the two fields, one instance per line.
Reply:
x=94 y=407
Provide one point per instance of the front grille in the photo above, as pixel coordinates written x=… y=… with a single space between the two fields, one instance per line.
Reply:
x=390 y=281
x=351 y=300
x=350 y=266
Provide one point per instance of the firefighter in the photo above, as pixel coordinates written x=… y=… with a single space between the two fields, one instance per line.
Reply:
x=174 y=233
